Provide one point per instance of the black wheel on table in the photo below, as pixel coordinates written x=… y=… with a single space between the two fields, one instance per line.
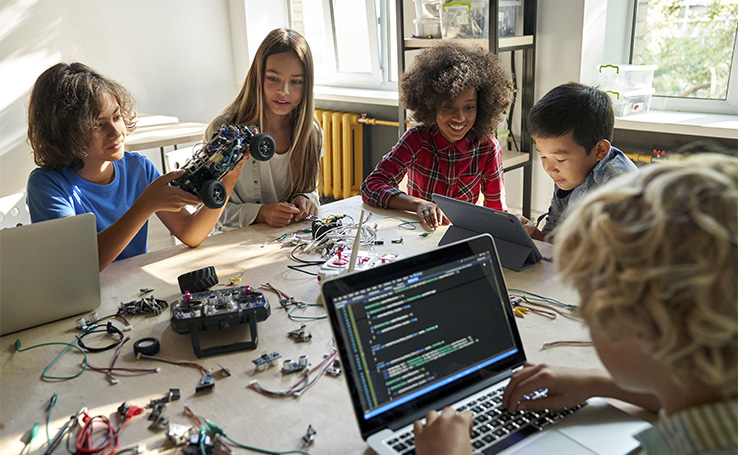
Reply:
x=213 y=194
x=198 y=280
x=262 y=147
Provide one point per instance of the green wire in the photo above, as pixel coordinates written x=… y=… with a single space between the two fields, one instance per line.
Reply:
x=244 y=446
x=52 y=402
x=404 y=224
x=309 y=318
x=68 y=345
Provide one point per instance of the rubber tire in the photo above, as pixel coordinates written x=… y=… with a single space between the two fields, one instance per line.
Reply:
x=213 y=194
x=198 y=280
x=262 y=147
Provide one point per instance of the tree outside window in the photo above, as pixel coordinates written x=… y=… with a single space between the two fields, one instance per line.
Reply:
x=691 y=41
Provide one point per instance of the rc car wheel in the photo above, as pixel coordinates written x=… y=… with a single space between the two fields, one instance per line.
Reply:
x=213 y=194
x=262 y=147
x=198 y=280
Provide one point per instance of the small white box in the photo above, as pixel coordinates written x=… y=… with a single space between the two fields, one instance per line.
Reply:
x=427 y=27
x=630 y=102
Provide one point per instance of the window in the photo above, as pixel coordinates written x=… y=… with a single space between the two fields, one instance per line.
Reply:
x=353 y=41
x=693 y=44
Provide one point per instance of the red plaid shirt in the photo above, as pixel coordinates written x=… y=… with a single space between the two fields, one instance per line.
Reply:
x=433 y=165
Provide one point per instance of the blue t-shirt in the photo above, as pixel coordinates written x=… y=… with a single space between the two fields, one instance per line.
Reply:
x=57 y=194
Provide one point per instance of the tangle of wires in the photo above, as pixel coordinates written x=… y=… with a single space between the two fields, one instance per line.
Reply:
x=329 y=236
x=291 y=305
x=564 y=309
x=212 y=436
x=309 y=377
x=85 y=444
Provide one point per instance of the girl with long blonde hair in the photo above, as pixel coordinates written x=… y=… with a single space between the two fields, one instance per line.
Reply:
x=277 y=98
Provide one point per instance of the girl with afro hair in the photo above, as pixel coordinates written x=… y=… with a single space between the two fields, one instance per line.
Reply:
x=458 y=95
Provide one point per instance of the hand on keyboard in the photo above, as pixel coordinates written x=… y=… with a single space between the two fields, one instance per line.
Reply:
x=566 y=387
x=446 y=433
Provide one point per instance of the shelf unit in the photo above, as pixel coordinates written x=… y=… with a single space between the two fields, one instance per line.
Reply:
x=525 y=92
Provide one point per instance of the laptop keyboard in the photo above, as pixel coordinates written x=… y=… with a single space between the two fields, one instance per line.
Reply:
x=493 y=425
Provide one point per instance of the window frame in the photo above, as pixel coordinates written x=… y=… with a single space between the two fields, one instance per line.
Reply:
x=379 y=41
x=702 y=105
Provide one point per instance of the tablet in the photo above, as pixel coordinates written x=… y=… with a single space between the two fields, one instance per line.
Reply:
x=516 y=249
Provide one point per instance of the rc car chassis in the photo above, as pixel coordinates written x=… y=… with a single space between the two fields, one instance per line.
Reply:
x=212 y=161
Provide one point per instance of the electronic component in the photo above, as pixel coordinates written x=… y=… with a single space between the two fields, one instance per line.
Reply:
x=220 y=309
x=288 y=366
x=309 y=436
x=338 y=264
x=178 y=434
x=224 y=371
x=335 y=369
x=207 y=382
x=82 y=324
x=145 y=305
x=266 y=360
x=321 y=227
x=300 y=335
x=212 y=161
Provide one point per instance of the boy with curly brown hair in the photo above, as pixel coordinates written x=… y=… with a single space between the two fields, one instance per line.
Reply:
x=654 y=258
x=458 y=95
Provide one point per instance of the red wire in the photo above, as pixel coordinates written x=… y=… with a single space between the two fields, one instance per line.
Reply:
x=84 y=438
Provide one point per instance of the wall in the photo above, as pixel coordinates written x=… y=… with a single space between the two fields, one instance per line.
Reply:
x=173 y=55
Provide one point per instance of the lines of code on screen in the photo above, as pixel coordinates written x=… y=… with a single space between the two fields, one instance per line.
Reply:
x=408 y=337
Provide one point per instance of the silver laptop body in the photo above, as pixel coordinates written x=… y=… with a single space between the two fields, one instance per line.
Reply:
x=48 y=271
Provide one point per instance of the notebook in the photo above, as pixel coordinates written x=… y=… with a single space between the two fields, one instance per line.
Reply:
x=437 y=329
x=516 y=249
x=48 y=271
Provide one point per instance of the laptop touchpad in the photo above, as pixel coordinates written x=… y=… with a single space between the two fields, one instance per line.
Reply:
x=547 y=443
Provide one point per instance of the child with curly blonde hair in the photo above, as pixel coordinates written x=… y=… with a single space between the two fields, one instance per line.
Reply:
x=458 y=95
x=654 y=257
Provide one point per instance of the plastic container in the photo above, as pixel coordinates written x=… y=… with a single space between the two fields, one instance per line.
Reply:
x=507 y=17
x=465 y=20
x=627 y=102
x=428 y=9
x=625 y=78
x=427 y=27
x=470 y=19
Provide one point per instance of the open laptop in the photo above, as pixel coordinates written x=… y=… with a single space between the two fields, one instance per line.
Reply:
x=437 y=329
x=48 y=271
x=516 y=249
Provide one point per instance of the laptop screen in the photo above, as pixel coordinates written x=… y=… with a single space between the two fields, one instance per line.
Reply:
x=423 y=328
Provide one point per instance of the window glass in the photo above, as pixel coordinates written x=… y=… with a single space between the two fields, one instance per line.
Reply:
x=351 y=36
x=691 y=41
x=350 y=41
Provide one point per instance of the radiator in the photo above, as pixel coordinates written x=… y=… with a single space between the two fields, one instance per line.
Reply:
x=342 y=167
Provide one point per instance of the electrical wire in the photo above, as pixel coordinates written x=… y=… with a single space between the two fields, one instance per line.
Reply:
x=109 y=444
x=305 y=383
x=286 y=301
x=217 y=435
x=175 y=362
x=547 y=302
x=67 y=347
x=52 y=403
